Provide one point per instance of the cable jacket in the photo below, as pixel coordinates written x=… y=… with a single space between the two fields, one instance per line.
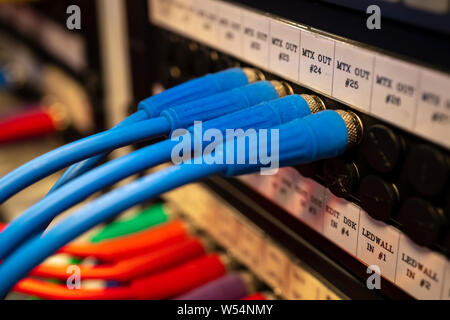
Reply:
x=181 y=279
x=125 y=270
x=264 y=115
x=194 y=89
x=59 y=158
x=132 y=245
x=37 y=248
x=255 y=296
x=147 y=218
x=153 y=106
x=81 y=167
x=221 y=104
x=37 y=217
x=303 y=140
x=51 y=291
x=229 y=287
x=25 y=125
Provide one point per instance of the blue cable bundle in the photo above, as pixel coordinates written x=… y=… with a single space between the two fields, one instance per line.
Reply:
x=37 y=217
x=200 y=109
x=153 y=106
x=318 y=136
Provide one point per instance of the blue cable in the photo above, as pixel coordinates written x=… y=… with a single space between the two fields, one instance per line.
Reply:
x=38 y=247
x=176 y=117
x=79 y=168
x=153 y=106
x=38 y=216
x=315 y=137
x=59 y=158
x=179 y=116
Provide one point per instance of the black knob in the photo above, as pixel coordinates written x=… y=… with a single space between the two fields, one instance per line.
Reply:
x=201 y=63
x=427 y=170
x=382 y=148
x=308 y=170
x=221 y=62
x=420 y=221
x=341 y=177
x=378 y=198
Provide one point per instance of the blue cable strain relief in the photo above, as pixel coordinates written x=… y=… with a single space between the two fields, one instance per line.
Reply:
x=262 y=116
x=220 y=104
x=194 y=89
x=318 y=136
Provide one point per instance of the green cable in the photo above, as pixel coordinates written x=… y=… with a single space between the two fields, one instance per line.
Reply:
x=147 y=218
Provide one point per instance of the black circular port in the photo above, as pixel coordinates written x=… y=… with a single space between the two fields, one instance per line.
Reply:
x=382 y=148
x=341 y=177
x=427 y=170
x=378 y=197
x=420 y=221
x=308 y=170
x=181 y=58
x=201 y=63
x=446 y=242
x=221 y=62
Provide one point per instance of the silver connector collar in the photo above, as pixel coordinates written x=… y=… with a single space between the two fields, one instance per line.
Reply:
x=283 y=88
x=315 y=103
x=355 y=128
x=253 y=75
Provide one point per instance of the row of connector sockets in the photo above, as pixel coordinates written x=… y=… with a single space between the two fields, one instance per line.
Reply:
x=419 y=271
x=395 y=176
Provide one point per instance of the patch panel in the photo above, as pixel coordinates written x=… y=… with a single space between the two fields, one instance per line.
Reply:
x=385 y=202
x=418 y=270
x=285 y=274
x=371 y=167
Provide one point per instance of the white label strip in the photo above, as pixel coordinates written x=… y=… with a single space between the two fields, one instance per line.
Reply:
x=248 y=244
x=378 y=245
x=255 y=39
x=407 y=95
x=341 y=222
x=317 y=61
x=353 y=74
x=417 y=270
x=284 y=49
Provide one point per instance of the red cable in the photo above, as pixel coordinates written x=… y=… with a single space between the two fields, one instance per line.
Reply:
x=27 y=124
x=52 y=291
x=164 y=285
x=131 y=245
x=255 y=296
x=176 y=281
x=135 y=267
